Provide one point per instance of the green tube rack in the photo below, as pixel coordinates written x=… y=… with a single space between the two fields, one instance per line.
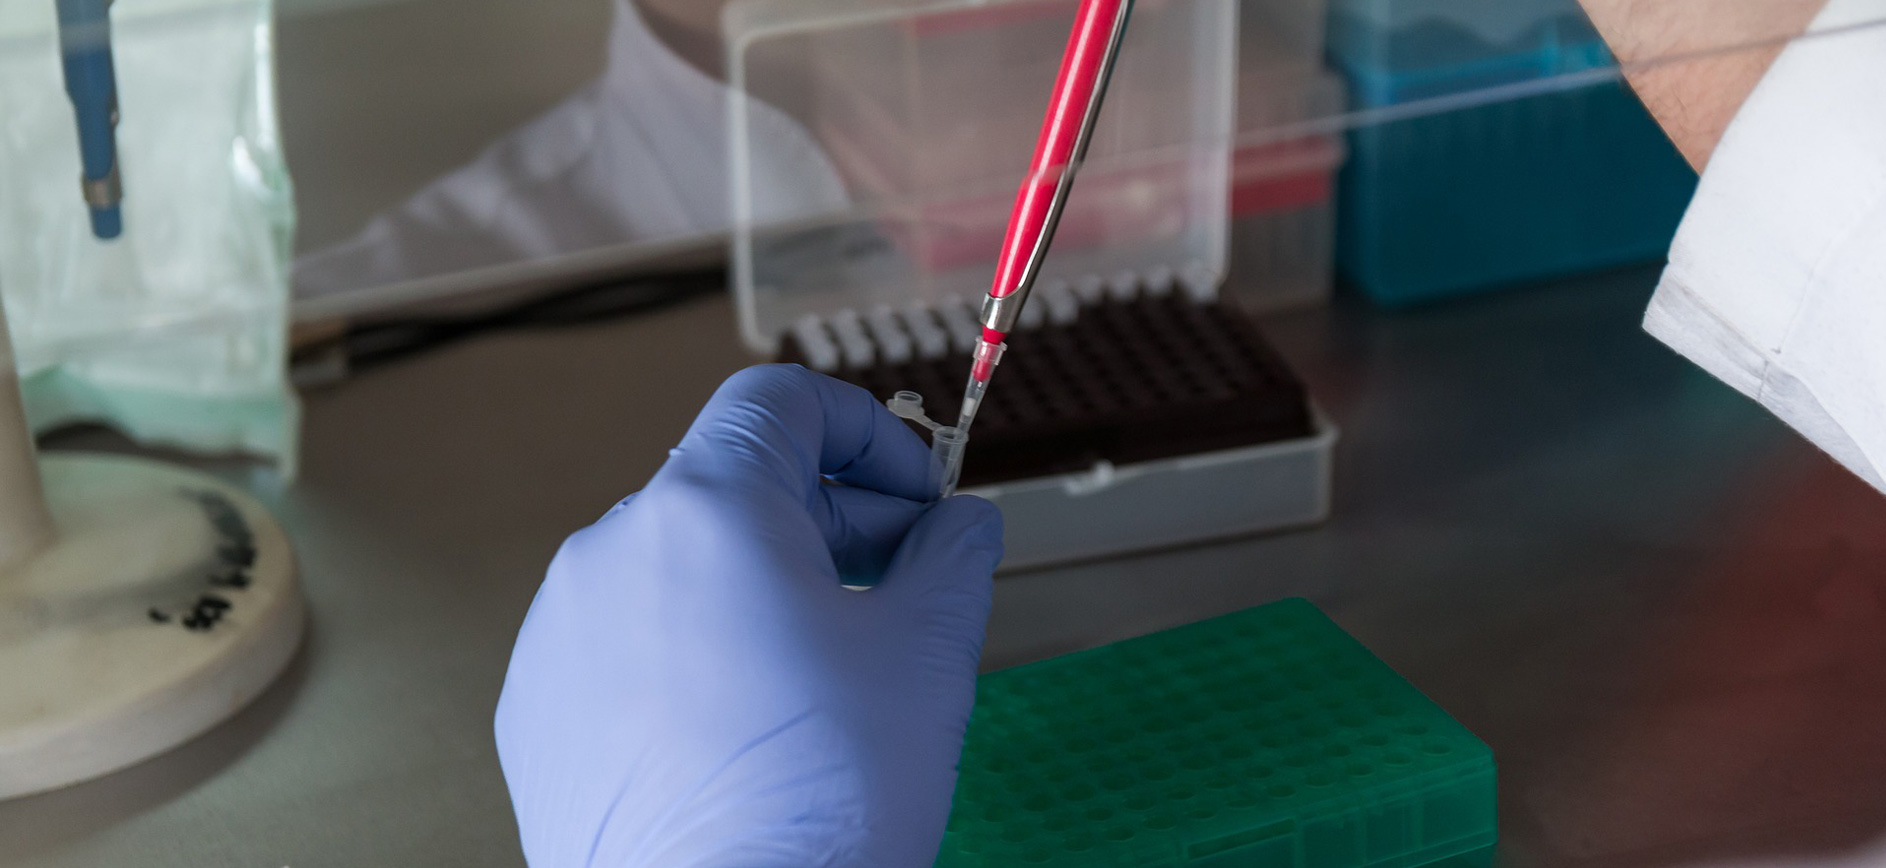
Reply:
x=1266 y=737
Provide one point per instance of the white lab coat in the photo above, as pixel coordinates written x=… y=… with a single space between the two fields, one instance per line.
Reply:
x=639 y=154
x=1777 y=278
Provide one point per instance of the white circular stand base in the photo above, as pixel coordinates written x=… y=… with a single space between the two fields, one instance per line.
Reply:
x=166 y=603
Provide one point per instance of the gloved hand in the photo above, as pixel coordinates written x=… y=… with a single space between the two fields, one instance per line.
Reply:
x=693 y=686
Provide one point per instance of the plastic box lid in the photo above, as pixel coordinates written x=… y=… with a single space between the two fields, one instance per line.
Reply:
x=918 y=117
x=867 y=80
x=1491 y=20
x=1420 y=57
x=1394 y=51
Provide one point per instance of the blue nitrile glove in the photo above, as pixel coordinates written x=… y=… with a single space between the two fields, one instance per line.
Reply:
x=693 y=687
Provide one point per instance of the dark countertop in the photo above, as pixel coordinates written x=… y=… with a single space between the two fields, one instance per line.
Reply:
x=1665 y=613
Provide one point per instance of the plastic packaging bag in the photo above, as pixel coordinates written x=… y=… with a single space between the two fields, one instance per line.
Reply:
x=176 y=331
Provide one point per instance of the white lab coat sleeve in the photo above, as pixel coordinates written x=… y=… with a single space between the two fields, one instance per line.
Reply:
x=1777 y=278
x=638 y=154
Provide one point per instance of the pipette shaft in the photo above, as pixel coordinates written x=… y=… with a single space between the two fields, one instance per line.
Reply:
x=1073 y=108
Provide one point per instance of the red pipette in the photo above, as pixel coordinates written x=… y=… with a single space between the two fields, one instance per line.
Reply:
x=1073 y=108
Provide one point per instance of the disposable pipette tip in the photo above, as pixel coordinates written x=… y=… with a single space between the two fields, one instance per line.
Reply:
x=988 y=355
x=972 y=401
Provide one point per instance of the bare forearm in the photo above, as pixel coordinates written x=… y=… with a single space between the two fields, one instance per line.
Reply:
x=1695 y=98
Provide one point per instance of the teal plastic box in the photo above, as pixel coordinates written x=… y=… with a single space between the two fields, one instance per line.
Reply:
x=1501 y=192
x=1267 y=737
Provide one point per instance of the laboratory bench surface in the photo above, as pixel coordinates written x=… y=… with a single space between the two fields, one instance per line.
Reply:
x=1664 y=612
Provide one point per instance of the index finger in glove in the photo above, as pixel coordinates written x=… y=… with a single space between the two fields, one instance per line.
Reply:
x=784 y=426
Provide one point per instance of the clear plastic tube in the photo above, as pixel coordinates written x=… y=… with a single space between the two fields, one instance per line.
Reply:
x=947 y=445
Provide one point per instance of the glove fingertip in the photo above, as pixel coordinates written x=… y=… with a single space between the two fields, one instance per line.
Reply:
x=958 y=527
x=982 y=521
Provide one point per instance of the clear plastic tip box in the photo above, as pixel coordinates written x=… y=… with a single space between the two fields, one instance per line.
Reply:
x=1266 y=738
x=925 y=112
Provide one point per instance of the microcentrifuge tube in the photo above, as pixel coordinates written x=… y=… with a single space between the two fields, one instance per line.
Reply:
x=909 y=405
x=947 y=445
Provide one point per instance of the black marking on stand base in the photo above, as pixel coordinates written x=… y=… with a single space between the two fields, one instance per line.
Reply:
x=223 y=515
x=236 y=541
x=1127 y=381
x=208 y=610
x=237 y=554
